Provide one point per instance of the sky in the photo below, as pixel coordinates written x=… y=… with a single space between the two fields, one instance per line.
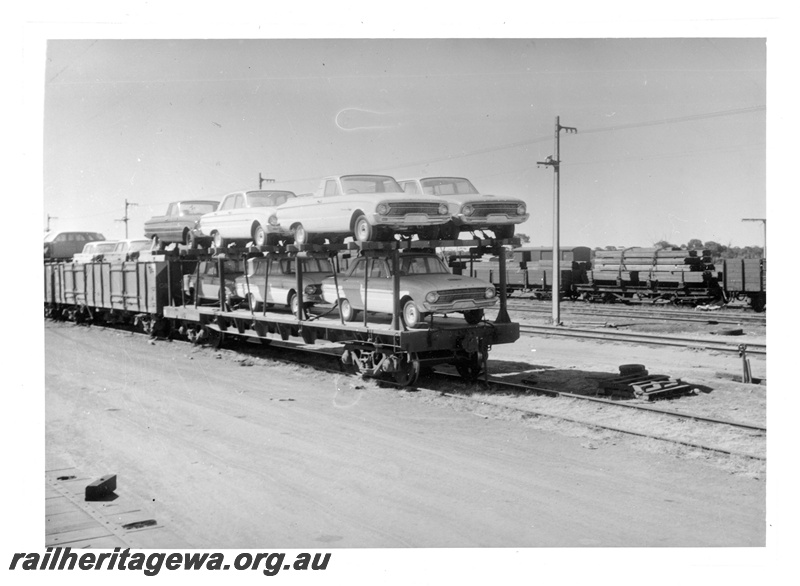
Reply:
x=670 y=142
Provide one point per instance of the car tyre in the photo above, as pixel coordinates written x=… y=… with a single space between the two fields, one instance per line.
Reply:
x=259 y=235
x=473 y=316
x=346 y=310
x=219 y=241
x=301 y=236
x=410 y=313
x=504 y=232
x=363 y=230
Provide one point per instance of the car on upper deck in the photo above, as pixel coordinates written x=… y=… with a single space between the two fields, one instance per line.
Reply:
x=426 y=286
x=242 y=217
x=368 y=207
x=176 y=225
x=94 y=251
x=64 y=245
x=281 y=282
x=471 y=209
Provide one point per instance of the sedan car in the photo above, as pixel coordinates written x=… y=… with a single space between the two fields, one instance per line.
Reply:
x=242 y=217
x=94 y=251
x=125 y=250
x=471 y=210
x=426 y=286
x=281 y=282
x=203 y=284
x=64 y=245
x=368 y=207
x=176 y=225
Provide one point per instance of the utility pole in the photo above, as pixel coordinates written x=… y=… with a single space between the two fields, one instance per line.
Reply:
x=125 y=219
x=556 y=164
x=763 y=221
x=263 y=180
x=49 y=217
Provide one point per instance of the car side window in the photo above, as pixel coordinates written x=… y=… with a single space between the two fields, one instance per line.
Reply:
x=227 y=203
x=331 y=188
x=238 y=202
x=358 y=269
x=171 y=211
x=379 y=269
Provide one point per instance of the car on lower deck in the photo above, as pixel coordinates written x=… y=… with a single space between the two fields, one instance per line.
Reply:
x=125 y=250
x=242 y=217
x=471 y=210
x=176 y=225
x=426 y=287
x=202 y=286
x=281 y=282
x=366 y=207
x=94 y=251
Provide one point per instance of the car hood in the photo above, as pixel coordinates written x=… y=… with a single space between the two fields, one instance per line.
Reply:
x=475 y=198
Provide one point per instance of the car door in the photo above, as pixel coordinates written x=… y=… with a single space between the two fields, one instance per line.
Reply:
x=380 y=289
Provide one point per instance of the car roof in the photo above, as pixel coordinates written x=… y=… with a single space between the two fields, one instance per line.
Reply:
x=51 y=235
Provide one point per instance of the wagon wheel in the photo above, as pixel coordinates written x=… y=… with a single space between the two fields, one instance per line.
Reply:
x=194 y=334
x=470 y=368
x=214 y=338
x=408 y=370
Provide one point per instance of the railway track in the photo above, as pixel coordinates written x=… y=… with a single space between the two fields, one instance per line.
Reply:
x=665 y=315
x=490 y=386
x=640 y=338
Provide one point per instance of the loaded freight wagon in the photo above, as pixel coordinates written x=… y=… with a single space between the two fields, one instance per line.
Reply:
x=410 y=311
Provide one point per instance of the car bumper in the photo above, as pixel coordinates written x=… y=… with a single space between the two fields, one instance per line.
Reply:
x=408 y=221
x=460 y=305
x=488 y=221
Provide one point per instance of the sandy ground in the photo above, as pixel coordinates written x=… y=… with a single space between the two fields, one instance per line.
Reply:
x=252 y=453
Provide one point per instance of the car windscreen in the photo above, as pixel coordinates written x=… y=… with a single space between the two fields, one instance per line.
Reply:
x=422 y=265
x=265 y=199
x=370 y=184
x=139 y=245
x=197 y=208
x=103 y=247
x=447 y=186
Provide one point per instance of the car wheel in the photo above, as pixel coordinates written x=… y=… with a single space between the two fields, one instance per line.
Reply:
x=473 y=316
x=346 y=310
x=362 y=230
x=449 y=232
x=219 y=241
x=411 y=313
x=300 y=235
x=252 y=303
x=504 y=232
x=156 y=244
x=259 y=236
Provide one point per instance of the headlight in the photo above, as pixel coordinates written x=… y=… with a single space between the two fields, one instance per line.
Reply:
x=432 y=297
x=467 y=210
x=273 y=220
x=382 y=209
x=443 y=209
x=521 y=209
x=310 y=289
x=490 y=293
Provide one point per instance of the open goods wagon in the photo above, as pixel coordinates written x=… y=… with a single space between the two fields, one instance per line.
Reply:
x=148 y=293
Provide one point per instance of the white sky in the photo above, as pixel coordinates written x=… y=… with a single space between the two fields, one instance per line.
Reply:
x=671 y=140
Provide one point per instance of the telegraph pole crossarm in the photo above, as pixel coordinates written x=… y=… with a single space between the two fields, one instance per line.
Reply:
x=263 y=180
x=126 y=218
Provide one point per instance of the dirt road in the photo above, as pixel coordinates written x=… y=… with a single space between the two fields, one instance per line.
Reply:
x=229 y=452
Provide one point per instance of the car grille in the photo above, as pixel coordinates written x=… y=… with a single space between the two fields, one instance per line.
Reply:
x=451 y=295
x=485 y=209
x=405 y=208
